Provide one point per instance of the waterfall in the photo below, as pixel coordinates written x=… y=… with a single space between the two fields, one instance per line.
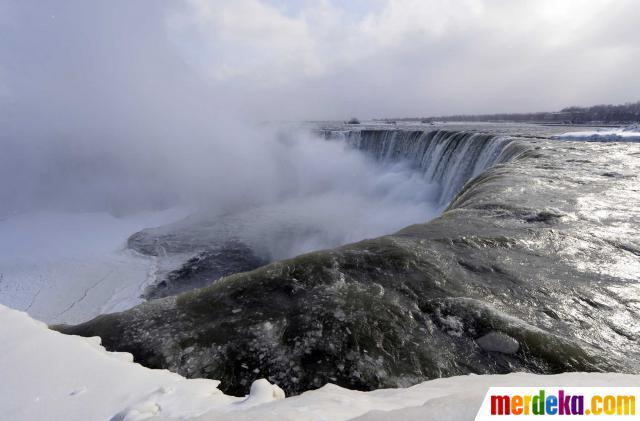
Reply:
x=448 y=158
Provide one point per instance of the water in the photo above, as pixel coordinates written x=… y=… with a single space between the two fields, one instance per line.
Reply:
x=532 y=267
x=446 y=158
x=376 y=182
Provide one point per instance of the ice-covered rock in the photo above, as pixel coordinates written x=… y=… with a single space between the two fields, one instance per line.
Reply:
x=262 y=392
x=498 y=342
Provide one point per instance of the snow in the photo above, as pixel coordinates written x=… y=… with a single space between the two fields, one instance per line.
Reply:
x=71 y=267
x=627 y=134
x=48 y=375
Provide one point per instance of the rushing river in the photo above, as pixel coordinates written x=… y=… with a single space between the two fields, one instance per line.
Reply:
x=532 y=266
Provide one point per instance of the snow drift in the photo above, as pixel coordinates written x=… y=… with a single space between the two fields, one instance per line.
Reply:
x=49 y=376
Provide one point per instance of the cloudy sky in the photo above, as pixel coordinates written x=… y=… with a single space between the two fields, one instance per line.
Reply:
x=311 y=59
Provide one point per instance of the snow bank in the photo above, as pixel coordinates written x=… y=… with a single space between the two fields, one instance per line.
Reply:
x=627 y=134
x=71 y=267
x=48 y=375
x=450 y=399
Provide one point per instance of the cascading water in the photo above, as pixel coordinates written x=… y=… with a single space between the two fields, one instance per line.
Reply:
x=517 y=275
x=448 y=158
x=413 y=176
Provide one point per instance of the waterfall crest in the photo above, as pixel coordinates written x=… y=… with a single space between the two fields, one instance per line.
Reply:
x=448 y=158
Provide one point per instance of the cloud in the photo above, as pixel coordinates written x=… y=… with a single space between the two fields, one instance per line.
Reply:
x=324 y=59
x=409 y=57
x=245 y=39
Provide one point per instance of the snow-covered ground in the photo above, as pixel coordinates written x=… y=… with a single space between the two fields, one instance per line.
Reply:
x=71 y=267
x=627 y=134
x=46 y=375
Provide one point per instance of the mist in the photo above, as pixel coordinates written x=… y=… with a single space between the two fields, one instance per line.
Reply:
x=107 y=115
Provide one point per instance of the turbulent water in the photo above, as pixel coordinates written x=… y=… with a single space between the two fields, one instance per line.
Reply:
x=445 y=157
x=533 y=266
x=418 y=171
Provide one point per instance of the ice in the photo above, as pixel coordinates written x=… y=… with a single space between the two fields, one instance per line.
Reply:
x=498 y=342
x=70 y=267
x=627 y=134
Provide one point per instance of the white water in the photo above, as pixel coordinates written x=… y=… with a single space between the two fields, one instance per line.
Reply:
x=445 y=158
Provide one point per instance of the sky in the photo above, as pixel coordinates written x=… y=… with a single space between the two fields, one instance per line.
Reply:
x=326 y=59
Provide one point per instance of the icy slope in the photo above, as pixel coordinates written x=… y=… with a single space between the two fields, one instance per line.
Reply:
x=50 y=376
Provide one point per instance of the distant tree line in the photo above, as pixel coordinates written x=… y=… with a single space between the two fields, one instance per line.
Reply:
x=597 y=114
